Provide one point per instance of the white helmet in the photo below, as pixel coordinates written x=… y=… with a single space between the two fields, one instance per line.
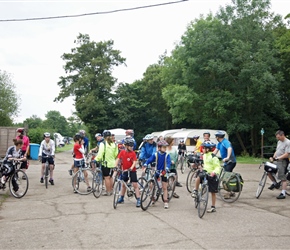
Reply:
x=149 y=137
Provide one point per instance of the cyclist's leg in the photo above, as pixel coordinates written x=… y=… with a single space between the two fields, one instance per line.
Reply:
x=213 y=189
x=134 y=180
x=165 y=191
x=108 y=179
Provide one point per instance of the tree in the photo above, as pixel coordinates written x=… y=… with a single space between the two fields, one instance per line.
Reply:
x=9 y=101
x=89 y=79
x=33 y=122
x=56 y=122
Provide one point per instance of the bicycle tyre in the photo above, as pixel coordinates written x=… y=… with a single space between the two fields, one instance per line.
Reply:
x=181 y=164
x=190 y=180
x=18 y=184
x=170 y=187
x=202 y=200
x=98 y=183
x=79 y=183
x=46 y=174
x=117 y=190
x=261 y=185
x=141 y=184
x=147 y=194
x=223 y=193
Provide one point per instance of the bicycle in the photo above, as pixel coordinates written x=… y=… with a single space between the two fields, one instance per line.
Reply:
x=46 y=170
x=269 y=168
x=226 y=194
x=130 y=190
x=194 y=163
x=98 y=182
x=83 y=180
x=18 y=180
x=153 y=189
x=201 y=199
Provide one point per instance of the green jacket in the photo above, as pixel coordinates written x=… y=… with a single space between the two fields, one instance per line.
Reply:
x=211 y=163
x=107 y=154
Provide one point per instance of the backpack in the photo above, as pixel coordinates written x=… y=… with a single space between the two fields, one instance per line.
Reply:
x=230 y=181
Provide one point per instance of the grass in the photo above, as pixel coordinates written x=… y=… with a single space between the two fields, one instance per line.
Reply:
x=67 y=147
x=250 y=160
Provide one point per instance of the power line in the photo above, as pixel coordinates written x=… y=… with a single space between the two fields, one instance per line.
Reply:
x=93 y=13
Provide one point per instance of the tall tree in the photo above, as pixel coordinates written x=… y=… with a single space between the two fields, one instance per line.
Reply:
x=33 y=122
x=57 y=122
x=9 y=100
x=89 y=80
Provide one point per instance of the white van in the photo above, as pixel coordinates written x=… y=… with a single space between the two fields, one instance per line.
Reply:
x=58 y=139
x=119 y=133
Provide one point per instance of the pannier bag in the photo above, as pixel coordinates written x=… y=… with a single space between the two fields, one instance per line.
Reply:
x=230 y=181
x=270 y=167
x=191 y=158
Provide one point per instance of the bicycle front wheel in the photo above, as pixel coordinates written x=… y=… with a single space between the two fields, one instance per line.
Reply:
x=190 y=180
x=147 y=195
x=141 y=184
x=202 y=200
x=46 y=173
x=18 y=184
x=261 y=185
x=170 y=187
x=117 y=191
x=98 y=183
x=82 y=181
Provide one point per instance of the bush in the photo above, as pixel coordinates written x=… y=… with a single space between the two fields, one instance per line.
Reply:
x=36 y=135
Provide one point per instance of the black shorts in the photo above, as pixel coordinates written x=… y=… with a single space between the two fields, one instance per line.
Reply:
x=173 y=170
x=163 y=178
x=50 y=159
x=107 y=171
x=133 y=176
x=213 y=182
x=230 y=166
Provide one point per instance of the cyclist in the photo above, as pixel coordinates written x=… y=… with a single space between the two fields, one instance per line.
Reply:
x=173 y=157
x=79 y=157
x=108 y=151
x=198 y=143
x=24 y=149
x=99 y=139
x=86 y=140
x=163 y=163
x=212 y=166
x=281 y=155
x=47 y=148
x=226 y=150
x=130 y=134
x=13 y=153
x=128 y=161
x=206 y=137
x=181 y=149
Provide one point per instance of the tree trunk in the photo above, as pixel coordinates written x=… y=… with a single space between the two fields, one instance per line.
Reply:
x=241 y=142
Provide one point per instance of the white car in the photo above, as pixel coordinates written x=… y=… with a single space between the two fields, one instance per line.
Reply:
x=59 y=140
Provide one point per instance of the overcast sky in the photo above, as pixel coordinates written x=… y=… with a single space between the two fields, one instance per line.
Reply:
x=31 y=50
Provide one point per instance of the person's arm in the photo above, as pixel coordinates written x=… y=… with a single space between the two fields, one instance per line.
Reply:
x=52 y=148
x=101 y=152
x=168 y=162
x=141 y=156
x=27 y=148
x=229 y=152
x=40 y=149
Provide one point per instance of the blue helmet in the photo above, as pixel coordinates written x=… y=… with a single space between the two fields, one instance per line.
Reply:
x=208 y=144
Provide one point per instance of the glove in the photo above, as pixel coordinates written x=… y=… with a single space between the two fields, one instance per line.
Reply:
x=163 y=172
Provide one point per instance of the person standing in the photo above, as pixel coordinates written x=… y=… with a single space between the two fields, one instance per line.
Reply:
x=24 y=148
x=281 y=155
x=86 y=141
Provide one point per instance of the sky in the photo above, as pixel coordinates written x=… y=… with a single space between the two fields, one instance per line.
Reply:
x=30 y=51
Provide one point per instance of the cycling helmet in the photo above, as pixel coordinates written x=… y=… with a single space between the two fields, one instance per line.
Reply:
x=208 y=144
x=20 y=130
x=129 y=132
x=82 y=132
x=149 y=137
x=181 y=141
x=195 y=137
x=106 y=133
x=206 y=133
x=46 y=134
x=97 y=134
x=78 y=136
x=162 y=143
x=220 y=134
x=129 y=142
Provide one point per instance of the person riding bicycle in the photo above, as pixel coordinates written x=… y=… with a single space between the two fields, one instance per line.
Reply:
x=211 y=165
x=198 y=143
x=108 y=151
x=163 y=163
x=281 y=155
x=128 y=161
x=24 y=149
x=181 y=148
x=13 y=153
x=47 y=149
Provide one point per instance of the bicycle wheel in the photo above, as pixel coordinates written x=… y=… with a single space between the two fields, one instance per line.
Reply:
x=190 y=180
x=141 y=184
x=18 y=184
x=261 y=185
x=170 y=187
x=117 y=190
x=147 y=194
x=82 y=181
x=46 y=173
x=227 y=196
x=182 y=164
x=98 y=183
x=202 y=200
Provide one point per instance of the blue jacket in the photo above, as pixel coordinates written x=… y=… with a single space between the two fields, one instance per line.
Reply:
x=147 y=150
x=160 y=161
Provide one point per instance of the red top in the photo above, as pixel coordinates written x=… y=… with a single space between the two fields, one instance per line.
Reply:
x=127 y=158
x=78 y=154
x=25 y=140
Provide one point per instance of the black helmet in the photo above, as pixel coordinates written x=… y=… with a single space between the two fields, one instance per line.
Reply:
x=106 y=133
x=129 y=141
x=78 y=136
x=208 y=144
x=220 y=134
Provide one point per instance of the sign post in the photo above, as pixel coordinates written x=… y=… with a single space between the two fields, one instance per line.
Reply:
x=262 y=143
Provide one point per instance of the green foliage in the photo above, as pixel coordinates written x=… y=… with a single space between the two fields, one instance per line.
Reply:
x=33 y=122
x=36 y=135
x=56 y=122
x=9 y=101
